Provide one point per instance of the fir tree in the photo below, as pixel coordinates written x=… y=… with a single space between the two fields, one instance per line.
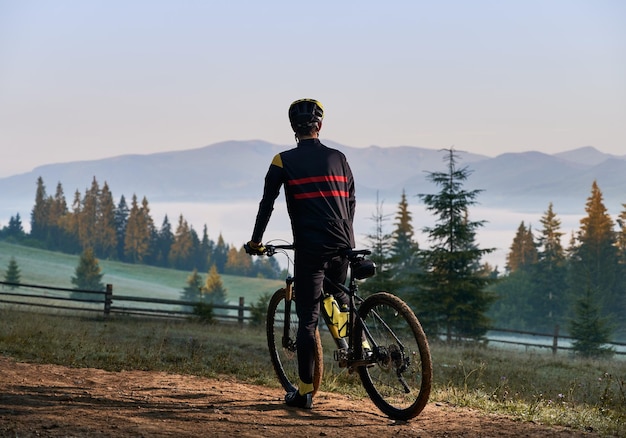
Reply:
x=238 y=262
x=453 y=295
x=88 y=275
x=523 y=252
x=220 y=254
x=588 y=328
x=206 y=250
x=105 y=226
x=12 y=275
x=88 y=217
x=14 y=231
x=213 y=290
x=39 y=214
x=165 y=239
x=380 y=243
x=57 y=238
x=181 y=250
x=405 y=263
x=621 y=236
x=549 y=298
x=138 y=232
x=121 y=221
x=193 y=289
x=594 y=264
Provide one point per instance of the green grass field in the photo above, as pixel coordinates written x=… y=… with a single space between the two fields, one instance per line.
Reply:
x=48 y=268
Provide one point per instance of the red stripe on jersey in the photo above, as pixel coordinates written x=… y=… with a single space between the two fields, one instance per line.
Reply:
x=322 y=194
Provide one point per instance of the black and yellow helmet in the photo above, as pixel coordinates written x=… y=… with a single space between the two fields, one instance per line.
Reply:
x=304 y=113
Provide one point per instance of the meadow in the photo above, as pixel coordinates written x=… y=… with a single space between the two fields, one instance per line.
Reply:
x=41 y=267
x=533 y=386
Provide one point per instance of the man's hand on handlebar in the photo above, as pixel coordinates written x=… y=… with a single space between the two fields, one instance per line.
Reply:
x=254 y=248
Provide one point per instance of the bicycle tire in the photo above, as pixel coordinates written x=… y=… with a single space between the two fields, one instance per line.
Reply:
x=285 y=359
x=399 y=346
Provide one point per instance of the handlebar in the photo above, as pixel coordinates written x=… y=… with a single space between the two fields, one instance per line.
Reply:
x=269 y=250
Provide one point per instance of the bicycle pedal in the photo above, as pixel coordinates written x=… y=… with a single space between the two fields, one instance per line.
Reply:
x=341 y=356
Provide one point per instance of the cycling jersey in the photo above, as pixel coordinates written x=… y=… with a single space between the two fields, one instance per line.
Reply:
x=319 y=190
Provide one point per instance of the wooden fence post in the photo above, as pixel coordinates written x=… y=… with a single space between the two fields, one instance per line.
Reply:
x=240 y=310
x=555 y=339
x=108 y=299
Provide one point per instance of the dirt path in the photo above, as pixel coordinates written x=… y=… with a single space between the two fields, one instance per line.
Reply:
x=56 y=401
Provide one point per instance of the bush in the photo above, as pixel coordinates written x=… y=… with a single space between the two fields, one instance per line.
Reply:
x=258 y=310
x=204 y=312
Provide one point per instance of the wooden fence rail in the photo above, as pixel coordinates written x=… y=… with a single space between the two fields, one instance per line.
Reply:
x=106 y=303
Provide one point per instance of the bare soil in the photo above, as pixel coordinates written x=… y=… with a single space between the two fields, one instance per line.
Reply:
x=57 y=401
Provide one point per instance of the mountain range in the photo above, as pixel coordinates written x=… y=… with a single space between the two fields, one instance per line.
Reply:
x=234 y=171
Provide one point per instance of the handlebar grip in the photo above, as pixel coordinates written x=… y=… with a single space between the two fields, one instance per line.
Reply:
x=254 y=251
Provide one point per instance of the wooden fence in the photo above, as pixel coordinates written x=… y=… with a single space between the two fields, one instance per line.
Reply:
x=105 y=303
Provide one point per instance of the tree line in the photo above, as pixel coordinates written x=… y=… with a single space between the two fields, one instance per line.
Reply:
x=581 y=287
x=127 y=233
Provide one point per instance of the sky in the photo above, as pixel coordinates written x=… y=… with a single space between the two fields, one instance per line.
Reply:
x=83 y=80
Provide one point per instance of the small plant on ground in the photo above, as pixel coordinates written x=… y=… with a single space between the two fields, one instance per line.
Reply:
x=204 y=312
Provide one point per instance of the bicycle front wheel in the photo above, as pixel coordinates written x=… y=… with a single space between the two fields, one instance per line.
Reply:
x=399 y=378
x=283 y=343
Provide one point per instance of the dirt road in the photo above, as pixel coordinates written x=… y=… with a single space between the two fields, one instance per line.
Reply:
x=56 y=401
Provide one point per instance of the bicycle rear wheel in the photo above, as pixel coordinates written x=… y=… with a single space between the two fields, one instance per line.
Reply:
x=399 y=378
x=283 y=352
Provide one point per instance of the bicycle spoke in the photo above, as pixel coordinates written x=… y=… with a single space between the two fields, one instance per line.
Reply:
x=399 y=379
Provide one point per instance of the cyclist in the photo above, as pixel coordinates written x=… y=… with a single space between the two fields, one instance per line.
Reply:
x=319 y=191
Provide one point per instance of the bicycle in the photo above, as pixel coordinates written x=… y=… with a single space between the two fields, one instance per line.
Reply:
x=379 y=337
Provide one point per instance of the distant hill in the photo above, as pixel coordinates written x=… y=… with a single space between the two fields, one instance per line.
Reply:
x=234 y=171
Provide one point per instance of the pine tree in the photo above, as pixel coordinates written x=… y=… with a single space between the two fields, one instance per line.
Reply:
x=380 y=243
x=594 y=263
x=193 y=289
x=453 y=295
x=149 y=231
x=621 y=248
x=121 y=221
x=196 y=250
x=549 y=300
x=138 y=232
x=523 y=252
x=57 y=238
x=69 y=224
x=206 y=250
x=213 y=290
x=513 y=308
x=39 y=214
x=220 y=254
x=404 y=251
x=14 y=231
x=12 y=275
x=165 y=239
x=238 y=262
x=88 y=275
x=621 y=236
x=181 y=249
x=105 y=225
x=589 y=329
x=88 y=217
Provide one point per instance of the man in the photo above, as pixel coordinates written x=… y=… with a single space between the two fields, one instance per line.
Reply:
x=319 y=190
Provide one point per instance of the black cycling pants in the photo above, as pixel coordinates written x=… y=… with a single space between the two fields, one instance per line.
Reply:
x=309 y=273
